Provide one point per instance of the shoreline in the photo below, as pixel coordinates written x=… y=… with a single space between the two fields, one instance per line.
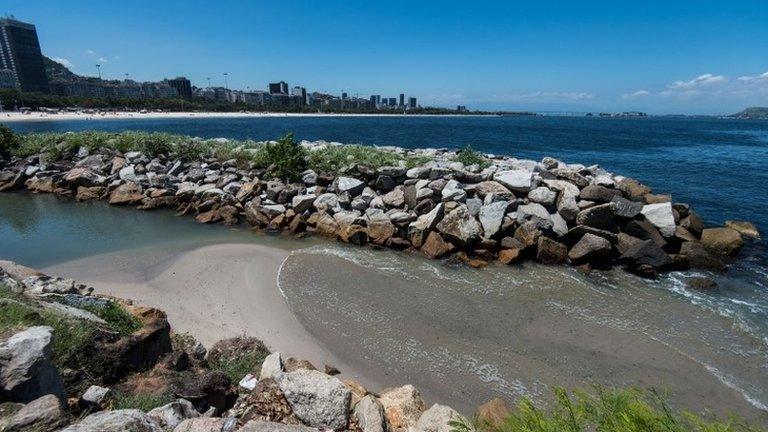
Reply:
x=212 y=292
x=15 y=117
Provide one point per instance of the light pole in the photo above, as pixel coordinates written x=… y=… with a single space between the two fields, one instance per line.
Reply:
x=226 y=83
x=209 y=81
x=98 y=67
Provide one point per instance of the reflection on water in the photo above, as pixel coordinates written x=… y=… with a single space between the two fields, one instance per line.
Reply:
x=516 y=331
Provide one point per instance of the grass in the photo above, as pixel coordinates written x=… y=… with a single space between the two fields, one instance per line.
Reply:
x=141 y=401
x=70 y=335
x=333 y=158
x=619 y=410
x=118 y=319
x=9 y=141
x=237 y=368
x=468 y=156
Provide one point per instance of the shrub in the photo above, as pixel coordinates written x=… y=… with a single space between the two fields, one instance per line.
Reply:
x=118 y=319
x=468 y=156
x=333 y=158
x=9 y=141
x=285 y=159
x=141 y=401
x=619 y=410
x=237 y=357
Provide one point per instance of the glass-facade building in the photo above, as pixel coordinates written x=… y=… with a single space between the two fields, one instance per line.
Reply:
x=20 y=53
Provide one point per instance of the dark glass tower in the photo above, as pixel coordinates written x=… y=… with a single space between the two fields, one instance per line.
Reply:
x=20 y=53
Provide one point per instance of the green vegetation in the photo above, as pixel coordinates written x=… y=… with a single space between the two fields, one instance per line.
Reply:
x=9 y=141
x=286 y=159
x=118 y=319
x=141 y=401
x=70 y=335
x=468 y=156
x=238 y=367
x=753 y=113
x=605 y=411
x=333 y=158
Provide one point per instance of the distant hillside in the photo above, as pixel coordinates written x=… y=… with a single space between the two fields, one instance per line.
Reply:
x=57 y=72
x=753 y=113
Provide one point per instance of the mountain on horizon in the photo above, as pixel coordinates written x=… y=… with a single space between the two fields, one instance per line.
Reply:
x=752 y=113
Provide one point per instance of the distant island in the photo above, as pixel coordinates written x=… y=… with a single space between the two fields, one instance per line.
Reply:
x=752 y=113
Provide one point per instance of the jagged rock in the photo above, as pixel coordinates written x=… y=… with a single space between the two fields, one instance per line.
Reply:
x=262 y=426
x=459 y=226
x=645 y=254
x=419 y=229
x=747 y=229
x=536 y=213
x=559 y=225
x=701 y=283
x=633 y=189
x=202 y=424
x=327 y=226
x=436 y=419
x=26 y=371
x=418 y=173
x=699 y=257
x=599 y=216
x=350 y=185
x=402 y=406
x=127 y=173
x=543 y=196
x=317 y=399
x=491 y=217
x=626 y=208
x=326 y=201
x=271 y=365
x=568 y=208
x=566 y=188
x=370 y=415
x=435 y=246
x=84 y=177
x=89 y=193
x=509 y=256
x=491 y=187
x=600 y=194
x=44 y=413
x=394 y=198
x=116 y=421
x=170 y=415
x=41 y=185
x=661 y=216
x=515 y=180
x=95 y=398
x=656 y=198
x=380 y=226
x=693 y=223
x=625 y=241
x=126 y=193
x=527 y=234
x=550 y=251
x=645 y=230
x=494 y=412
x=590 y=249
x=723 y=241
x=453 y=191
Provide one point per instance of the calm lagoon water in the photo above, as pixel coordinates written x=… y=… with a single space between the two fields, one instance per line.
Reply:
x=717 y=166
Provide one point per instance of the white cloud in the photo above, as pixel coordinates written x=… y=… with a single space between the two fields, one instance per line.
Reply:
x=707 y=79
x=63 y=61
x=90 y=52
x=763 y=77
x=103 y=59
x=116 y=57
x=635 y=95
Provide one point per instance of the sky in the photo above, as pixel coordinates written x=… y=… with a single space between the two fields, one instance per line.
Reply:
x=662 y=57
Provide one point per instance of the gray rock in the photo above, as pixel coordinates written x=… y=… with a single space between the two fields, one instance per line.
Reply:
x=599 y=216
x=453 y=191
x=127 y=173
x=590 y=249
x=26 y=371
x=272 y=364
x=491 y=187
x=567 y=207
x=543 y=196
x=262 y=426
x=402 y=406
x=600 y=194
x=317 y=399
x=534 y=212
x=392 y=171
x=370 y=415
x=116 y=421
x=309 y=177
x=302 y=203
x=326 y=201
x=559 y=225
x=95 y=397
x=473 y=205
x=661 y=216
x=44 y=413
x=436 y=419
x=626 y=208
x=350 y=185
x=459 y=226
x=170 y=415
x=395 y=198
x=418 y=173
x=492 y=216
x=566 y=188
x=515 y=180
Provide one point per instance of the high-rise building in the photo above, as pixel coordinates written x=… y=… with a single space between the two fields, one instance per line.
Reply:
x=278 y=88
x=344 y=95
x=8 y=79
x=20 y=53
x=402 y=99
x=392 y=102
x=182 y=85
x=412 y=102
x=300 y=93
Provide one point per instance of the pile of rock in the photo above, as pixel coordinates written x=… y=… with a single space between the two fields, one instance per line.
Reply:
x=511 y=210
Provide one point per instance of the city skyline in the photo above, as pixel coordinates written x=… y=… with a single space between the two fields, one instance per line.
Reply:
x=656 y=57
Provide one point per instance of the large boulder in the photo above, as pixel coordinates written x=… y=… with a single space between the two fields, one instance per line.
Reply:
x=633 y=189
x=460 y=227
x=317 y=399
x=370 y=415
x=202 y=424
x=590 y=249
x=599 y=216
x=350 y=185
x=492 y=216
x=626 y=208
x=699 y=257
x=542 y=195
x=551 y=251
x=44 y=413
x=436 y=419
x=494 y=412
x=126 y=193
x=435 y=246
x=170 y=415
x=747 y=229
x=116 y=421
x=264 y=426
x=645 y=257
x=453 y=191
x=402 y=406
x=515 y=180
x=84 y=177
x=271 y=365
x=494 y=188
x=26 y=371
x=597 y=193
x=723 y=241
x=661 y=216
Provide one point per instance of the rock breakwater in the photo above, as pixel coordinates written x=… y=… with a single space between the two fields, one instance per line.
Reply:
x=499 y=208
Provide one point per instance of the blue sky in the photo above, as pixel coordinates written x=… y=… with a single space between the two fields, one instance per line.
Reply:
x=660 y=57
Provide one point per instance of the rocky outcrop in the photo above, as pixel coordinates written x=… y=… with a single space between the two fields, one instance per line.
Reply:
x=116 y=421
x=317 y=399
x=402 y=406
x=26 y=371
x=441 y=207
x=44 y=413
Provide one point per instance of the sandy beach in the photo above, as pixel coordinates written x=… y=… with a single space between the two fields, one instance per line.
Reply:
x=12 y=116
x=211 y=292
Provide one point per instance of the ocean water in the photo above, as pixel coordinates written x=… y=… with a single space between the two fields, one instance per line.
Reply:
x=453 y=318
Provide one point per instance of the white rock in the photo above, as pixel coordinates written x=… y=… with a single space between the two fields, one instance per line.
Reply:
x=515 y=180
x=272 y=364
x=436 y=419
x=248 y=382
x=170 y=415
x=453 y=191
x=492 y=216
x=661 y=216
x=543 y=196
x=116 y=421
x=370 y=415
x=317 y=399
x=349 y=184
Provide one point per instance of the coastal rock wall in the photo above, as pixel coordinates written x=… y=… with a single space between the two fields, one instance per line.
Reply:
x=507 y=210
